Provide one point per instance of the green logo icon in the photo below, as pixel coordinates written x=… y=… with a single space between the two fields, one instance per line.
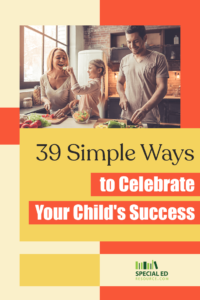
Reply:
x=146 y=266
x=149 y=271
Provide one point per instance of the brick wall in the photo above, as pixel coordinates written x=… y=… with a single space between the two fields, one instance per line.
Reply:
x=174 y=82
x=98 y=37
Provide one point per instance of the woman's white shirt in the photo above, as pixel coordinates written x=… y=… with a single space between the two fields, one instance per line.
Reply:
x=59 y=98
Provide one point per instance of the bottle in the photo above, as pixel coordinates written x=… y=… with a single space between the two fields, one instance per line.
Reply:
x=176 y=40
x=173 y=55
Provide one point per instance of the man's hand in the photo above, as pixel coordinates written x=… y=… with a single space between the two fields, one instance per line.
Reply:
x=138 y=116
x=123 y=103
x=120 y=89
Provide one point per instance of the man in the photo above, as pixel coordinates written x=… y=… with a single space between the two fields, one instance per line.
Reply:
x=145 y=73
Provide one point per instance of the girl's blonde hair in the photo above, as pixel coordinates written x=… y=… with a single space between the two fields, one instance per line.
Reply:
x=100 y=64
x=50 y=58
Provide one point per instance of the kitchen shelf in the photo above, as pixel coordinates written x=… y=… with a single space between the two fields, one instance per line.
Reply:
x=163 y=45
x=117 y=39
x=170 y=34
x=168 y=49
x=116 y=54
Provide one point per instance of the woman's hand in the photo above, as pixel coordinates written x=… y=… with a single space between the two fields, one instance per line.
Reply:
x=138 y=116
x=73 y=103
x=61 y=112
x=47 y=105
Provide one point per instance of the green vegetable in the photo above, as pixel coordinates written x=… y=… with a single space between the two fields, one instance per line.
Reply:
x=134 y=126
x=114 y=124
x=35 y=117
x=106 y=123
x=123 y=125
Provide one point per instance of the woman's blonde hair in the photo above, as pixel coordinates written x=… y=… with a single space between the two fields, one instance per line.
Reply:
x=50 y=58
x=100 y=64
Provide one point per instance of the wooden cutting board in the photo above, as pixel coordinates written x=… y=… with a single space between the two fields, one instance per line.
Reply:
x=101 y=121
x=55 y=121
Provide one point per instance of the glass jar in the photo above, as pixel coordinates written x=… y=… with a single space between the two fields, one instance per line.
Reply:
x=36 y=95
x=27 y=102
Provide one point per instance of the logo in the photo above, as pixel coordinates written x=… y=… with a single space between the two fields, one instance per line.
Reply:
x=146 y=266
x=150 y=271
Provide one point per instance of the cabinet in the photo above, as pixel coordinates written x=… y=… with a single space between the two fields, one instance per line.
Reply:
x=113 y=109
x=159 y=38
x=169 y=109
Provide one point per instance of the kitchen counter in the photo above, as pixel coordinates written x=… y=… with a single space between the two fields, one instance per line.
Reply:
x=70 y=123
x=166 y=97
x=172 y=97
x=24 y=111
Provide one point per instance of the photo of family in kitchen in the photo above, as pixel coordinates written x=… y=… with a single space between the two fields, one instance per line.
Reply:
x=100 y=76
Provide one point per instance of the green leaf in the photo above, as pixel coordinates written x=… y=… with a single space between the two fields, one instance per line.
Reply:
x=34 y=117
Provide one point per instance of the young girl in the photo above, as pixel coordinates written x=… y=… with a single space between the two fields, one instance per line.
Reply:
x=93 y=92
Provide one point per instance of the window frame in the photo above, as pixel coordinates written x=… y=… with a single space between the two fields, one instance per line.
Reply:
x=31 y=84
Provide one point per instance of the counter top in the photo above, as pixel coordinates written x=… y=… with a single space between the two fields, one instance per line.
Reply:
x=70 y=123
x=166 y=97
x=172 y=97
x=29 y=110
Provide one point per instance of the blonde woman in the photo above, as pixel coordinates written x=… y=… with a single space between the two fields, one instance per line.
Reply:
x=92 y=93
x=56 y=83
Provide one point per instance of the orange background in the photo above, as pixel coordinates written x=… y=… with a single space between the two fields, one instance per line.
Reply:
x=185 y=14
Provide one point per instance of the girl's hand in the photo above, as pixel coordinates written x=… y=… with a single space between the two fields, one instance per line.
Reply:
x=47 y=105
x=70 y=70
x=73 y=103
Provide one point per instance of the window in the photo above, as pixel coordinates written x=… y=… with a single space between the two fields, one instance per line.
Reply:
x=36 y=41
